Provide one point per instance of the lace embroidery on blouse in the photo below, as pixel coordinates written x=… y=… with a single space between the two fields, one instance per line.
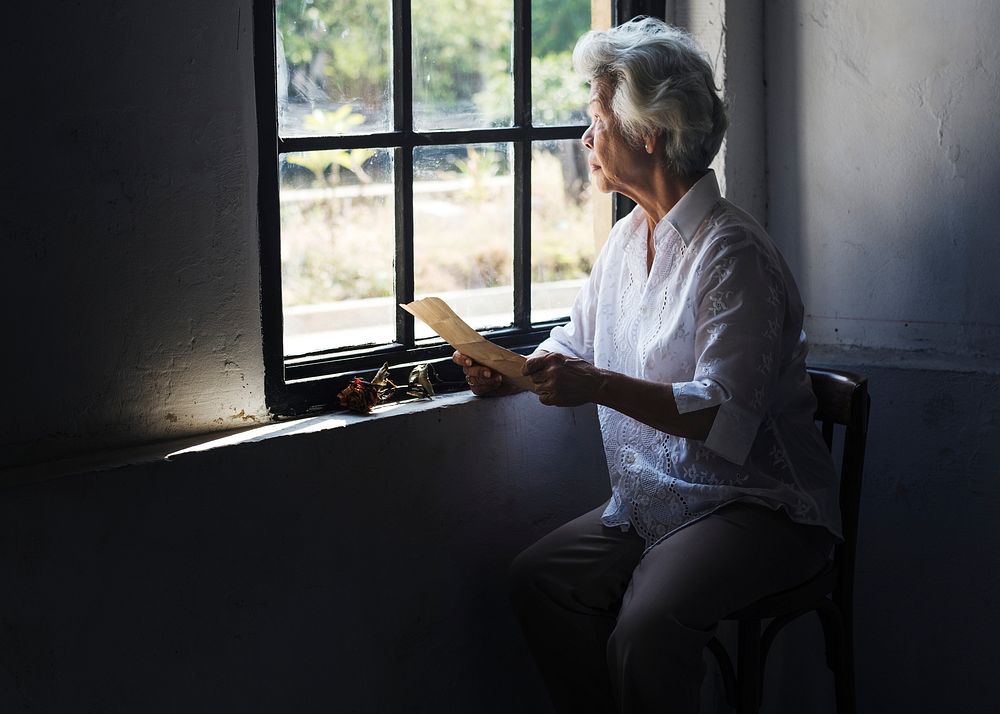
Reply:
x=717 y=316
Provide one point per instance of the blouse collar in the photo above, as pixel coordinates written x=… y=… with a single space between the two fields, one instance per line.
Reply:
x=689 y=212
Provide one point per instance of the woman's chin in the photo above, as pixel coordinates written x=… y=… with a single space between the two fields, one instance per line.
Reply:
x=600 y=183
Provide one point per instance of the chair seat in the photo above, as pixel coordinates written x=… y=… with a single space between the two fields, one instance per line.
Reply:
x=801 y=597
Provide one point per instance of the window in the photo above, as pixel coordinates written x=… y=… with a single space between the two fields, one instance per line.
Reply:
x=412 y=148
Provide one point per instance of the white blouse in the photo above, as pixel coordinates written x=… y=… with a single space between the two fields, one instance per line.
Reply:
x=719 y=317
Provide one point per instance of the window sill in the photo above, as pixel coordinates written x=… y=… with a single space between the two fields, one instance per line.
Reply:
x=327 y=422
x=189 y=447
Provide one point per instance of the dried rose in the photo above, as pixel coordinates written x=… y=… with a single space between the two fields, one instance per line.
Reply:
x=359 y=396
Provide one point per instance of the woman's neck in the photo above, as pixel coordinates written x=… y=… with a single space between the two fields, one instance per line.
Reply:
x=656 y=198
x=661 y=194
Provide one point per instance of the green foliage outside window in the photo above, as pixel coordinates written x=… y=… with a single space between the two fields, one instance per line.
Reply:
x=334 y=78
x=469 y=41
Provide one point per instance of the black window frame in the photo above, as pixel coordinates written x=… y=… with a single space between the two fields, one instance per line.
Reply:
x=309 y=383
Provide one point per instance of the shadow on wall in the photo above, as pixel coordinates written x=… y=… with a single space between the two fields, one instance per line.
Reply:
x=783 y=129
x=883 y=172
x=360 y=569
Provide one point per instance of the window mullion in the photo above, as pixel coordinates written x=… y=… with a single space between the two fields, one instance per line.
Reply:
x=522 y=164
x=403 y=168
x=402 y=62
x=402 y=91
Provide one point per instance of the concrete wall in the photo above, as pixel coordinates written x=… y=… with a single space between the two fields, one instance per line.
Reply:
x=356 y=568
x=732 y=35
x=883 y=149
x=249 y=577
x=883 y=157
x=928 y=565
x=129 y=222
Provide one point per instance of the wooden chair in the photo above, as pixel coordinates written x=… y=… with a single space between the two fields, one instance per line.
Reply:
x=842 y=400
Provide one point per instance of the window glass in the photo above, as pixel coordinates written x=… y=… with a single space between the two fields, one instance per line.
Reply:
x=337 y=248
x=558 y=95
x=335 y=240
x=463 y=227
x=462 y=75
x=333 y=72
x=563 y=245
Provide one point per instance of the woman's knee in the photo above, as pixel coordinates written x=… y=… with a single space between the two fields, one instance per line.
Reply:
x=662 y=630
x=542 y=577
x=655 y=664
x=523 y=576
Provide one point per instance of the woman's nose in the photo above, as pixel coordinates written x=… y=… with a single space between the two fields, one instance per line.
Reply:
x=588 y=137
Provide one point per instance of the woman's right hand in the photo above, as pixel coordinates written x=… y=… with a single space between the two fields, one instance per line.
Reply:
x=483 y=381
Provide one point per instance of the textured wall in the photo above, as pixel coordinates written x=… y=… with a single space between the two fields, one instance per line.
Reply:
x=253 y=576
x=732 y=35
x=130 y=272
x=883 y=149
x=883 y=154
x=928 y=568
x=358 y=569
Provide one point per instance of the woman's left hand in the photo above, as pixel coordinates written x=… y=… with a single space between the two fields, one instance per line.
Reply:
x=563 y=381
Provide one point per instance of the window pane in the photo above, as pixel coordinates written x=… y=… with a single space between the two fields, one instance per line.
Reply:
x=563 y=244
x=337 y=248
x=462 y=64
x=558 y=95
x=333 y=66
x=463 y=230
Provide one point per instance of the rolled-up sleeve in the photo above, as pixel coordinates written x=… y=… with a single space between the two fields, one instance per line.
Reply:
x=741 y=300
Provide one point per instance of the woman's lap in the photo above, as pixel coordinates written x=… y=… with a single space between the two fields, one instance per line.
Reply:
x=583 y=565
x=589 y=598
x=726 y=560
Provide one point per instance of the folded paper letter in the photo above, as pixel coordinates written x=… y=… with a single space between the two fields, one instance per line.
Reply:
x=443 y=320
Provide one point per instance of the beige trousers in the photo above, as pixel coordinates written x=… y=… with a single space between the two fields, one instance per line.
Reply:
x=612 y=630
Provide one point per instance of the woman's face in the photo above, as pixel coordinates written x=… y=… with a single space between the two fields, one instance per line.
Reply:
x=615 y=165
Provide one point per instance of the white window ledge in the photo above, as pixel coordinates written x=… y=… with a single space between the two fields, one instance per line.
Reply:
x=189 y=447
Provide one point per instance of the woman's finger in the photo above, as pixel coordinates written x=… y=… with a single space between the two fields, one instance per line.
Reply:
x=534 y=364
x=462 y=360
x=471 y=368
x=481 y=375
x=482 y=387
x=482 y=380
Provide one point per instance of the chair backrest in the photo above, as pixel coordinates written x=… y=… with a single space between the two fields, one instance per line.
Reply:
x=842 y=399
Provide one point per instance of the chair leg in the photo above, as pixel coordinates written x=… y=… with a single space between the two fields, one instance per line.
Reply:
x=844 y=678
x=725 y=669
x=846 y=694
x=748 y=667
x=839 y=655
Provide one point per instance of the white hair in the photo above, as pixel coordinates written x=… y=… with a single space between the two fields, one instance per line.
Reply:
x=660 y=81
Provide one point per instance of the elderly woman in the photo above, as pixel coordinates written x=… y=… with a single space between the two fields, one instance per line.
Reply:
x=688 y=336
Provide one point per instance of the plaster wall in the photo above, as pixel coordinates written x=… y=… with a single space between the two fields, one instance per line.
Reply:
x=732 y=36
x=131 y=268
x=928 y=570
x=130 y=272
x=345 y=569
x=362 y=567
x=883 y=147
x=883 y=168
x=928 y=561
